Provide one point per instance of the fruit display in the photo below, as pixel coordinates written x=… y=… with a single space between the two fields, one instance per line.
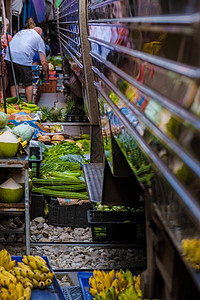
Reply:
x=15 y=105
x=57 y=128
x=16 y=282
x=191 y=250
x=115 y=285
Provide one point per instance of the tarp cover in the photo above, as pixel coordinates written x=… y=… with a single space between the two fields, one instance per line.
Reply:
x=36 y=10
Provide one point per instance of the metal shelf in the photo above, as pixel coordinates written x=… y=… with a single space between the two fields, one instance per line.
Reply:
x=22 y=208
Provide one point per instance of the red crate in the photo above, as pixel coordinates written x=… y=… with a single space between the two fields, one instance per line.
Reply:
x=49 y=86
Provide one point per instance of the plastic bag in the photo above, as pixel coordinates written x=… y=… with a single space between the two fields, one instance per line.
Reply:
x=72 y=158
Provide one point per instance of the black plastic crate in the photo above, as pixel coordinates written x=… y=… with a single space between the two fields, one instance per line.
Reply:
x=69 y=215
x=72 y=292
x=76 y=118
x=37 y=205
x=34 y=164
x=111 y=226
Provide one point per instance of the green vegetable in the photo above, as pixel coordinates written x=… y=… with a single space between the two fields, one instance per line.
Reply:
x=61 y=194
x=11 y=100
x=56 y=181
x=71 y=187
x=61 y=166
x=65 y=174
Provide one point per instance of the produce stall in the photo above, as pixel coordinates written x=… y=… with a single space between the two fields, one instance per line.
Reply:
x=110 y=207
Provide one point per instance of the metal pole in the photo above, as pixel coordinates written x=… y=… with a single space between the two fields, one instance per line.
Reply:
x=12 y=67
x=2 y=75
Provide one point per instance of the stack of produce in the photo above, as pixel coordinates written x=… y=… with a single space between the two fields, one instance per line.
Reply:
x=15 y=105
x=63 y=185
x=17 y=282
x=120 y=285
x=99 y=206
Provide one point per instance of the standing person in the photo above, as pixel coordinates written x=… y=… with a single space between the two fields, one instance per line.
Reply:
x=4 y=45
x=23 y=47
x=29 y=23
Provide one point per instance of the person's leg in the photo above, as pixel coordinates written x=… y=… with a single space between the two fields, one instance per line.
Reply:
x=26 y=76
x=13 y=91
x=29 y=92
x=11 y=79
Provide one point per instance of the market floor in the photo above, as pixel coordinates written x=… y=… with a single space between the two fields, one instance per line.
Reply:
x=50 y=100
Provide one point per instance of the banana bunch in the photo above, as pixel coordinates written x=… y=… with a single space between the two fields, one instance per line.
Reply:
x=111 y=286
x=191 y=250
x=35 y=271
x=13 y=287
x=5 y=260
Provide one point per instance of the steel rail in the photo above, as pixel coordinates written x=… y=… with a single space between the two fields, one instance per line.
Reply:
x=173 y=107
x=165 y=63
x=184 y=196
x=183 y=154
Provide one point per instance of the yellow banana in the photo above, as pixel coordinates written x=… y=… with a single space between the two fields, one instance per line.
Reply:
x=41 y=285
x=36 y=276
x=107 y=282
x=40 y=259
x=92 y=282
x=28 y=284
x=27 y=293
x=12 y=290
x=8 y=275
x=42 y=267
x=21 y=298
x=2 y=269
x=115 y=284
x=35 y=283
x=100 y=287
x=23 y=266
x=3 y=252
x=19 y=289
x=25 y=260
x=48 y=282
x=38 y=271
x=6 y=261
x=50 y=275
x=100 y=275
x=112 y=275
x=93 y=292
x=3 y=277
x=4 y=295
x=44 y=276
x=33 y=265
x=12 y=264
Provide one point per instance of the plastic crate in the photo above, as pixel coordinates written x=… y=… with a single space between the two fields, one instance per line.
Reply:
x=72 y=292
x=34 y=164
x=37 y=206
x=49 y=86
x=111 y=226
x=76 y=118
x=83 y=278
x=70 y=215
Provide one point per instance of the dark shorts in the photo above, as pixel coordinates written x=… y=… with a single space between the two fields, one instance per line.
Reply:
x=23 y=74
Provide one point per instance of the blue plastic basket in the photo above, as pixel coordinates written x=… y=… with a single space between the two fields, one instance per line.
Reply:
x=53 y=292
x=84 y=284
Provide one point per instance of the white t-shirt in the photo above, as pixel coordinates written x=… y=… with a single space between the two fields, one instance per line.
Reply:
x=24 y=45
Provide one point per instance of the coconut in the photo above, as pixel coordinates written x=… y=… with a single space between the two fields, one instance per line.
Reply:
x=9 y=144
x=10 y=191
x=19 y=177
